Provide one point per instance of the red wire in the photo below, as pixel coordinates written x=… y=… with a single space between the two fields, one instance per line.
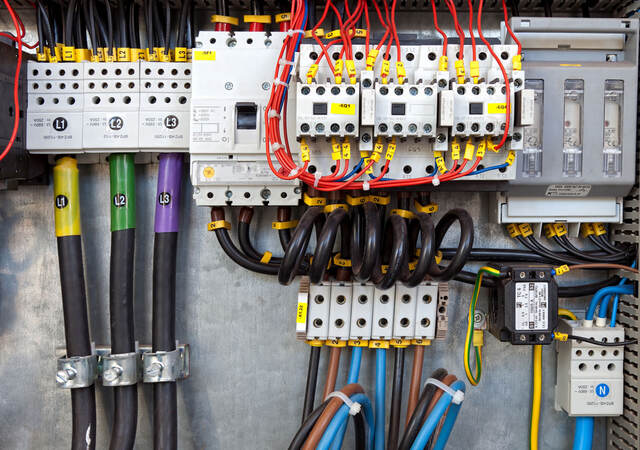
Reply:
x=454 y=13
x=16 y=81
x=504 y=75
x=506 y=22
x=438 y=29
x=473 y=38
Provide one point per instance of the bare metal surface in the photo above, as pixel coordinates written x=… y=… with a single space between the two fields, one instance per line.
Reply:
x=247 y=368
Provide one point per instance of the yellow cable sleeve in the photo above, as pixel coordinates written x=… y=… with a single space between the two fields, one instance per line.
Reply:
x=537 y=395
x=66 y=197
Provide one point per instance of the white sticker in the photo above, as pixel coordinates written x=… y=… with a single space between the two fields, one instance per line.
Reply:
x=532 y=306
x=568 y=190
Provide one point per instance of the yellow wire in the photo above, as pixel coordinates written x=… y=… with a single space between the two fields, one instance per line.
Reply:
x=567 y=313
x=537 y=394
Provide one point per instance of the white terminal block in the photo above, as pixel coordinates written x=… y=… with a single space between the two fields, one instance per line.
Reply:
x=404 y=313
x=340 y=311
x=406 y=110
x=590 y=378
x=361 y=311
x=426 y=311
x=382 y=321
x=165 y=89
x=54 y=111
x=480 y=109
x=318 y=311
x=111 y=106
x=327 y=109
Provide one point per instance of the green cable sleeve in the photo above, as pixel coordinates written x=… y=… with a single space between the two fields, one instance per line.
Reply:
x=123 y=191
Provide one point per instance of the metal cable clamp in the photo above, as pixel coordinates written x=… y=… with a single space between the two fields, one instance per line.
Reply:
x=122 y=369
x=160 y=367
x=77 y=371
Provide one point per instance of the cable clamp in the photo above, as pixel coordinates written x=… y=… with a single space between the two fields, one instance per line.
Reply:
x=317 y=176
x=161 y=366
x=435 y=181
x=77 y=371
x=457 y=397
x=280 y=82
x=273 y=113
x=365 y=185
x=292 y=32
x=121 y=369
x=354 y=407
x=286 y=62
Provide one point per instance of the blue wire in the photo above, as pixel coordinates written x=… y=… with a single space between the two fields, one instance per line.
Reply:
x=487 y=169
x=432 y=421
x=381 y=372
x=354 y=373
x=341 y=416
x=355 y=170
x=583 y=437
x=452 y=415
x=609 y=290
x=289 y=68
x=614 y=311
x=614 y=308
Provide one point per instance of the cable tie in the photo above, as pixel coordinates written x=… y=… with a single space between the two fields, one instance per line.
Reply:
x=273 y=113
x=365 y=185
x=317 y=176
x=276 y=146
x=294 y=172
x=281 y=83
x=292 y=32
x=435 y=181
x=457 y=397
x=354 y=407
x=285 y=62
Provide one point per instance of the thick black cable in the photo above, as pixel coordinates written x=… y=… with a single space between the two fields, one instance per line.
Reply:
x=123 y=432
x=398 y=256
x=415 y=423
x=301 y=435
x=547 y=8
x=607 y=245
x=181 y=37
x=157 y=24
x=123 y=27
x=148 y=24
x=222 y=7
x=312 y=381
x=365 y=226
x=88 y=12
x=513 y=4
x=103 y=34
x=69 y=26
x=109 y=26
x=240 y=258
x=191 y=26
x=78 y=341
x=167 y=25
x=596 y=256
x=295 y=252
x=40 y=31
x=465 y=243
x=247 y=247
x=360 y=433
x=427 y=250
x=396 y=399
x=165 y=418
x=57 y=18
x=325 y=243
x=46 y=27
x=256 y=7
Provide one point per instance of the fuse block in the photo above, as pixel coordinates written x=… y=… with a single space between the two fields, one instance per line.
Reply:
x=590 y=378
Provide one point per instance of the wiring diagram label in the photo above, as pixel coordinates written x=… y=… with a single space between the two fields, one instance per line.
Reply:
x=568 y=190
x=532 y=306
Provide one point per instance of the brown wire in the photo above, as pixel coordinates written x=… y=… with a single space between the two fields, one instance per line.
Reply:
x=448 y=380
x=416 y=378
x=332 y=371
x=323 y=421
x=604 y=266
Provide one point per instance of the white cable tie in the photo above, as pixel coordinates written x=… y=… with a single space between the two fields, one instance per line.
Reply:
x=354 y=407
x=457 y=397
x=285 y=62
x=276 y=146
x=435 y=181
x=294 y=172
x=281 y=83
x=292 y=32
x=365 y=185
x=273 y=113
x=317 y=176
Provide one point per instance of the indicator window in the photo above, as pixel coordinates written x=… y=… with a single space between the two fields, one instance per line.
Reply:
x=319 y=109
x=246 y=116
x=476 y=109
x=398 y=109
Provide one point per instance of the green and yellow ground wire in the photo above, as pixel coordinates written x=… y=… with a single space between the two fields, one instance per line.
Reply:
x=475 y=379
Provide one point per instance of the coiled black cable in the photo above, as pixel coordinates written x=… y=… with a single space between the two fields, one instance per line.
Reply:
x=398 y=255
x=365 y=222
x=464 y=245
x=325 y=243
x=427 y=250
x=297 y=247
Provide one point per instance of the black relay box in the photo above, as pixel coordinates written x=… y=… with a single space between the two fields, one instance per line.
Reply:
x=523 y=308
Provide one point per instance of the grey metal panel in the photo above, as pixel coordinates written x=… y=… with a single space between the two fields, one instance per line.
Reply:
x=247 y=368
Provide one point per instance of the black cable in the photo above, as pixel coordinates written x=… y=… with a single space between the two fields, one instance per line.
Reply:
x=167 y=26
x=585 y=8
x=123 y=432
x=68 y=30
x=295 y=252
x=109 y=39
x=365 y=224
x=123 y=27
x=40 y=30
x=55 y=14
x=396 y=399
x=46 y=26
x=256 y=7
x=240 y=258
x=157 y=24
x=325 y=243
x=415 y=423
x=247 y=247
x=607 y=245
x=312 y=380
x=427 y=249
x=103 y=34
x=76 y=331
x=601 y=343
x=465 y=243
x=398 y=256
x=222 y=7
x=547 y=8
x=87 y=11
x=513 y=4
x=597 y=256
x=191 y=22
x=148 y=24
x=301 y=435
x=360 y=433
x=165 y=419
x=181 y=37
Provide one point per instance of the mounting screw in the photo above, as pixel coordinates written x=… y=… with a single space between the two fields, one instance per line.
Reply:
x=366 y=137
x=154 y=369
x=266 y=85
x=523 y=338
x=541 y=337
x=228 y=85
x=65 y=375
x=265 y=194
x=522 y=274
x=441 y=138
x=297 y=190
x=517 y=137
x=112 y=374
x=540 y=274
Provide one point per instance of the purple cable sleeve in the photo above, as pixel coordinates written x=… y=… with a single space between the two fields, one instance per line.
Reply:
x=168 y=194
